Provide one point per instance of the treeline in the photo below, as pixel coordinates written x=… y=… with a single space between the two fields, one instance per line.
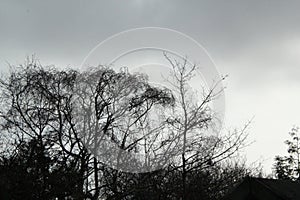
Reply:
x=102 y=134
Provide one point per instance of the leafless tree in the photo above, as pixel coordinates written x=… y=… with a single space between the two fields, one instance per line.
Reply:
x=71 y=114
x=192 y=122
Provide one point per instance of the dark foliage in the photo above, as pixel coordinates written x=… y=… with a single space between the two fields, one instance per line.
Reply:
x=47 y=115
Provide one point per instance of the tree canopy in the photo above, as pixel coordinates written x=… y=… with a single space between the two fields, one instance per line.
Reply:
x=68 y=134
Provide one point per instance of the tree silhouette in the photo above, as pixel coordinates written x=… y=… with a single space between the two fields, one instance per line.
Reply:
x=288 y=167
x=84 y=134
x=51 y=108
x=191 y=118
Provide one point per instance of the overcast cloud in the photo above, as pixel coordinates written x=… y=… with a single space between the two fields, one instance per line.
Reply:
x=256 y=42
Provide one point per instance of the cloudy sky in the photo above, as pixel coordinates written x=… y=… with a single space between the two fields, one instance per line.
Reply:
x=257 y=43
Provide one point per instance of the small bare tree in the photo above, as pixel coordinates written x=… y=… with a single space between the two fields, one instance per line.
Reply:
x=191 y=119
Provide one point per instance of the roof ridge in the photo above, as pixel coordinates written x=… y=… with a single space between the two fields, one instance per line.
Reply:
x=269 y=188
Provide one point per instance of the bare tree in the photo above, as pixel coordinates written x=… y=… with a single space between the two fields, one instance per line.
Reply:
x=70 y=113
x=191 y=119
x=112 y=109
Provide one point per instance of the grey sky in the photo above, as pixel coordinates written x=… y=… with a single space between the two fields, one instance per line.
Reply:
x=256 y=42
